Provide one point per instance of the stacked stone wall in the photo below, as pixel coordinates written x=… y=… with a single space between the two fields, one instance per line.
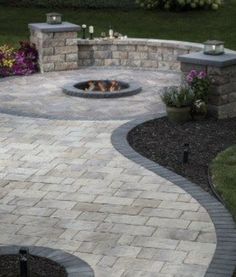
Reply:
x=134 y=53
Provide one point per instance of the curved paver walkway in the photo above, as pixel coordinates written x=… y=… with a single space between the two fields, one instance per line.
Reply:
x=64 y=185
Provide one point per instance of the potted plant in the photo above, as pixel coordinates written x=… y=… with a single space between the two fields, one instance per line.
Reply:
x=200 y=84
x=199 y=110
x=178 y=102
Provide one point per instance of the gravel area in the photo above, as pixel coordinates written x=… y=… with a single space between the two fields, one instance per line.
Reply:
x=163 y=142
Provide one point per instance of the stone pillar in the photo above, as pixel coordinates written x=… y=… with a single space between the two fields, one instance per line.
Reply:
x=56 y=45
x=222 y=72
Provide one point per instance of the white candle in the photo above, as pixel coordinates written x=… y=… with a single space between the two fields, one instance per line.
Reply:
x=111 y=33
x=91 y=29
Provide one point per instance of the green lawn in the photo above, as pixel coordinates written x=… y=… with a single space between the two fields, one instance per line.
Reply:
x=196 y=26
x=224 y=176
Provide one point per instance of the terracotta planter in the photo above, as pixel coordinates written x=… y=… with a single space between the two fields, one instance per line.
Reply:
x=178 y=115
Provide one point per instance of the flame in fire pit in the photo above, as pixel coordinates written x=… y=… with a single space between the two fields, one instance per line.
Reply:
x=103 y=86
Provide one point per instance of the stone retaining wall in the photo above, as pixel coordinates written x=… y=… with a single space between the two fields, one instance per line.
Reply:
x=134 y=53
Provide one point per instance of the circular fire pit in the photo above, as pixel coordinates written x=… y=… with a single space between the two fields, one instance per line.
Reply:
x=102 y=89
x=33 y=261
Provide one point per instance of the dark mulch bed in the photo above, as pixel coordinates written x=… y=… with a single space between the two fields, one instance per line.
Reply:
x=39 y=267
x=163 y=142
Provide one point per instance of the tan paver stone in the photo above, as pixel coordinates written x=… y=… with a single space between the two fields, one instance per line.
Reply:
x=177 y=234
x=196 y=246
x=10 y=239
x=36 y=220
x=77 y=197
x=179 y=206
x=7 y=218
x=107 y=271
x=39 y=231
x=90 y=207
x=117 y=250
x=66 y=214
x=88 y=247
x=196 y=216
x=56 y=204
x=92 y=216
x=120 y=209
x=207 y=237
x=114 y=200
x=96 y=236
x=129 y=219
x=168 y=222
x=91 y=259
x=159 y=195
x=67 y=245
x=79 y=225
x=58 y=188
x=184 y=270
x=126 y=240
x=6 y=208
x=22 y=201
x=146 y=203
x=201 y=226
x=165 y=213
x=132 y=230
x=155 y=242
x=198 y=258
x=107 y=261
x=138 y=264
x=164 y=255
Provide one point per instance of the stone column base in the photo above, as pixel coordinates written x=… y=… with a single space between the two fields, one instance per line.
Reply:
x=56 y=45
x=222 y=72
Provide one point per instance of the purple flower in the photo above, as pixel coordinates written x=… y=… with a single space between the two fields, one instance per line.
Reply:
x=193 y=73
x=202 y=75
x=189 y=79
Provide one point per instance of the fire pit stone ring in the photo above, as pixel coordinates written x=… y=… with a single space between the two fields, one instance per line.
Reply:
x=79 y=90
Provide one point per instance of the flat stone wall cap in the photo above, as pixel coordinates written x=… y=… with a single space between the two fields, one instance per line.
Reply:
x=224 y=60
x=48 y=28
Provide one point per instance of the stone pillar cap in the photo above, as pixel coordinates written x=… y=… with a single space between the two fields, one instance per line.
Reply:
x=200 y=58
x=48 y=28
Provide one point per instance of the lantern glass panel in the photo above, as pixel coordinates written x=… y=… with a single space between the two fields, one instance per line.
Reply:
x=54 y=18
x=214 y=47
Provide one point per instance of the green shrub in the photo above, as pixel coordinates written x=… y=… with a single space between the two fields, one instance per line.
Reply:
x=179 y=5
x=71 y=3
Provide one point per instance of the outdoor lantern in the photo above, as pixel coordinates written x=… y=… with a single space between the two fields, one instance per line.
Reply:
x=84 y=31
x=213 y=47
x=54 y=18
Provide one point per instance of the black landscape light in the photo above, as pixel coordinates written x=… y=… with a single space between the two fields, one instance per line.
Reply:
x=23 y=258
x=186 y=153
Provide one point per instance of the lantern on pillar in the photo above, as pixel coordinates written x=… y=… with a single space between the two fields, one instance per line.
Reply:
x=213 y=47
x=54 y=18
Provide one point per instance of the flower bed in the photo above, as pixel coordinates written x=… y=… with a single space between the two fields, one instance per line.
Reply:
x=21 y=61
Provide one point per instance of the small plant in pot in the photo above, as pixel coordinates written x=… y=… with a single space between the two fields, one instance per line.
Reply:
x=199 y=110
x=200 y=84
x=178 y=102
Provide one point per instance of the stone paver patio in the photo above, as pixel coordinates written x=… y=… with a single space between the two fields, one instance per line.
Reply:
x=64 y=185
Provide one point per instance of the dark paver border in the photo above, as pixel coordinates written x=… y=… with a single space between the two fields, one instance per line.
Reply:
x=73 y=265
x=224 y=259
